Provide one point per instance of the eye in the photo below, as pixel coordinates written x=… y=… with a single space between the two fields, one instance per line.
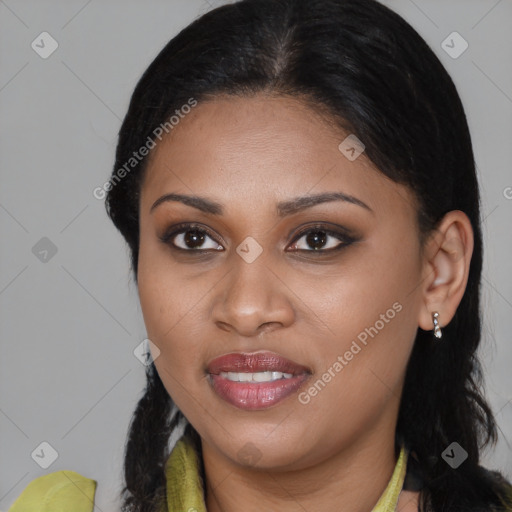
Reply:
x=321 y=239
x=191 y=238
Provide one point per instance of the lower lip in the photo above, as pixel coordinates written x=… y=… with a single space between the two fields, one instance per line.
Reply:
x=257 y=395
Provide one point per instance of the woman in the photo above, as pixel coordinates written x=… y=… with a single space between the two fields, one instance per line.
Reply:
x=295 y=181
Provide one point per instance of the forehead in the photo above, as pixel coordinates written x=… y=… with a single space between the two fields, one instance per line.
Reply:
x=255 y=148
x=225 y=129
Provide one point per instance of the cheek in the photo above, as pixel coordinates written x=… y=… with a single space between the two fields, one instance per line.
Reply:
x=162 y=293
x=167 y=304
x=350 y=297
x=370 y=309
x=360 y=369
x=170 y=320
x=171 y=316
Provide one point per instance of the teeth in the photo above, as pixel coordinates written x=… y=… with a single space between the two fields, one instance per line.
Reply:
x=256 y=376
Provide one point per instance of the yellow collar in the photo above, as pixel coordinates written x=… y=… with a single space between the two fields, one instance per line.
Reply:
x=185 y=488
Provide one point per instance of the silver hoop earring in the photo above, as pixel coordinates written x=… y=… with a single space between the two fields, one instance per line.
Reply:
x=437 y=329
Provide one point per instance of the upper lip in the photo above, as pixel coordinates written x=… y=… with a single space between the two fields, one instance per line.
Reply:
x=255 y=362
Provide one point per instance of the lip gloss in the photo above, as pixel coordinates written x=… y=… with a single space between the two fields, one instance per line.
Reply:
x=255 y=395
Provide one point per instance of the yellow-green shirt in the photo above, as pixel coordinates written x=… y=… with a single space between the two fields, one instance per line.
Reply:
x=68 y=491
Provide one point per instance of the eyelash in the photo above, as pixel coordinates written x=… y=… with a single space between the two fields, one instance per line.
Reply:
x=345 y=240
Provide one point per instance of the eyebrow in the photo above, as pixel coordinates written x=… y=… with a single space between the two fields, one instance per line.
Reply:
x=284 y=208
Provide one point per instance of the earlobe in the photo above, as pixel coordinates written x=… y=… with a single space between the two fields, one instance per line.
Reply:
x=447 y=259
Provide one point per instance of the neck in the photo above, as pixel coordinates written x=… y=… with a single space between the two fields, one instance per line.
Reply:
x=351 y=480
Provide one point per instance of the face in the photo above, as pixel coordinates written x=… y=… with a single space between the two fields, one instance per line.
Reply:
x=324 y=292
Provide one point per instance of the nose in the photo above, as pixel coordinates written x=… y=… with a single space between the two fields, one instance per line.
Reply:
x=252 y=299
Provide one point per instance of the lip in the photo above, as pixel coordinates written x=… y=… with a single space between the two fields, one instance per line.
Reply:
x=255 y=362
x=255 y=395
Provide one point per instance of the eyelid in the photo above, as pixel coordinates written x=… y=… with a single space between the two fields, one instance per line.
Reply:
x=182 y=228
x=344 y=236
x=327 y=227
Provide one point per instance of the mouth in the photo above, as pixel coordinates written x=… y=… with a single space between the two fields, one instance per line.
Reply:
x=256 y=380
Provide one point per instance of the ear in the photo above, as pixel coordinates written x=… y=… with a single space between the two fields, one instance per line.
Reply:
x=447 y=256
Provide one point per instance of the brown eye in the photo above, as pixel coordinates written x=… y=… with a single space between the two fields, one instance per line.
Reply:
x=194 y=238
x=316 y=239
x=321 y=239
x=190 y=238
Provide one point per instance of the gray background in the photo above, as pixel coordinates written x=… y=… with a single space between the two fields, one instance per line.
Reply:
x=68 y=326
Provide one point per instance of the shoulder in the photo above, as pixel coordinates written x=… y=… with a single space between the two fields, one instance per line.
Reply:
x=60 y=491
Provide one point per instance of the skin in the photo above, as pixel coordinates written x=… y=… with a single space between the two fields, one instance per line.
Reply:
x=337 y=451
